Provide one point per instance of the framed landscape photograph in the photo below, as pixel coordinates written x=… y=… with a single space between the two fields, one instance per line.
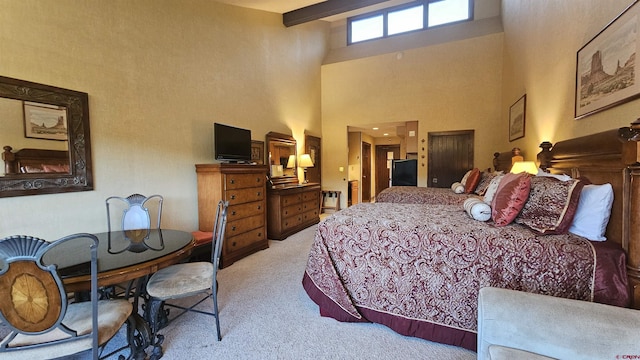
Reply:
x=606 y=74
x=516 y=118
x=43 y=121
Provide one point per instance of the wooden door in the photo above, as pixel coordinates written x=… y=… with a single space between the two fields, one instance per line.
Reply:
x=450 y=157
x=312 y=147
x=383 y=173
x=366 y=172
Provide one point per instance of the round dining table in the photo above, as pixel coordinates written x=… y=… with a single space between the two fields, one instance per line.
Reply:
x=127 y=255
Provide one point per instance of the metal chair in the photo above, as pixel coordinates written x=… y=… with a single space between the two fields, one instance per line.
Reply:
x=186 y=280
x=34 y=305
x=133 y=215
x=134 y=212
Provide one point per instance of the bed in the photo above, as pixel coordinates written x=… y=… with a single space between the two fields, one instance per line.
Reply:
x=448 y=196
x=418 y=268
x=31 y=161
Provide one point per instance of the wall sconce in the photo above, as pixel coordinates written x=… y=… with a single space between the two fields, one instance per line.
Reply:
x=524 y=166
x=305 y=162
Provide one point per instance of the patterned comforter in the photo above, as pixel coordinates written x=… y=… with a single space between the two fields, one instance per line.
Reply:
x=421 y=195
x=418 y=269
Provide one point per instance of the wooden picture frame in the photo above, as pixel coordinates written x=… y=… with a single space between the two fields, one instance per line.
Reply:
x=606 y=74
x=257 y=152
x=517 y=114
x=44 y=121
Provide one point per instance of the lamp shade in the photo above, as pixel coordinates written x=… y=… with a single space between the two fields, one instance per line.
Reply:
x=305 y=161
x=291 y=163
x=524 y=166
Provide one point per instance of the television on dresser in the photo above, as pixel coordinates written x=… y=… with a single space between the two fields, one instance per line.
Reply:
x=231 y=144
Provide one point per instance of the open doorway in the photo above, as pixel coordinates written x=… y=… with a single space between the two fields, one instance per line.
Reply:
x=384 y=155
x=364 y=182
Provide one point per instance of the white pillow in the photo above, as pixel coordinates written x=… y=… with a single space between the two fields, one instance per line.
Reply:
x=457 y=188
x=593 y=212
x=561 y=177
x=491 y=189
x=465 y=177
x=477 y=209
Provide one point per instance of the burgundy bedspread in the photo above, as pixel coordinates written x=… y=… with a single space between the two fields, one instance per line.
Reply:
x=418 y=269
x=421 y=195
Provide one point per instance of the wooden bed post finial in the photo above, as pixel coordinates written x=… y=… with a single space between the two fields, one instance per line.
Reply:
x=544 y=156
x=9 y=161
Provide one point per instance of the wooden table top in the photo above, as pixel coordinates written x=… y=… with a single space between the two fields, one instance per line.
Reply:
x=124 y=256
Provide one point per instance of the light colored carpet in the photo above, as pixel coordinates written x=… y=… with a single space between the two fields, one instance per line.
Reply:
x=266 y=314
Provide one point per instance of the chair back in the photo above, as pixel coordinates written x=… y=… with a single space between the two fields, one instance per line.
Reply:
x=134 y=212
x=219 y=227
x=34 y=301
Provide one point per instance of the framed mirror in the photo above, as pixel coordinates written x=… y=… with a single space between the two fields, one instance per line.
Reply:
x=282 y=158
x=45 y=139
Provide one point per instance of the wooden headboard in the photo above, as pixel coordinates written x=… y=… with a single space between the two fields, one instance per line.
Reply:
x=48 y=161
x=502 y=161
x=605 y=158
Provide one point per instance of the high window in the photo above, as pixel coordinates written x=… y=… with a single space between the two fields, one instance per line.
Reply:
x=417 y=15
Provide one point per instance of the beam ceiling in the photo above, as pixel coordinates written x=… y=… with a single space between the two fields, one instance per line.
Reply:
x=323 y=10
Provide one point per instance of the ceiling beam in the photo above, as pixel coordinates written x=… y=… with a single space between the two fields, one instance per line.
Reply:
x=324 y=9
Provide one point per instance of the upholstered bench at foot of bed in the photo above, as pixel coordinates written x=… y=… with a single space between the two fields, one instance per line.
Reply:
x=521 y=325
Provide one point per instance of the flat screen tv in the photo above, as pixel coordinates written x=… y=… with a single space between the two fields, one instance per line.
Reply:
x=231 y=144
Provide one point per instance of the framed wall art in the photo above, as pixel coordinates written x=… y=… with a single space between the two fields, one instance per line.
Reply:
x=257 y=152
x=606 y=74
x=44 y=121
x=517 y=113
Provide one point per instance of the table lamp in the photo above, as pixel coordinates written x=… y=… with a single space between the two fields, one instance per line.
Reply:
x=524 y=166
x=305 y=162
x=291 y=163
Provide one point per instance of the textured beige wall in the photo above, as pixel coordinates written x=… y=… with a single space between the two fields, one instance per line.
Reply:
x=452 y=86
x=540 y=46
x=158 y=74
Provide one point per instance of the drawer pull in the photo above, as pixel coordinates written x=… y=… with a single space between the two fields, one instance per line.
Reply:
x=233 y=228
x=232 y=181
x=233 y=197
x=233 y=212
x=259 y=207
x=259 y=193
x=258 y=180
x=233 y=243
x=259 y=234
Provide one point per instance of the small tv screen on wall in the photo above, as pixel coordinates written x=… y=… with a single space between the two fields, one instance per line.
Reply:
x=231 y=144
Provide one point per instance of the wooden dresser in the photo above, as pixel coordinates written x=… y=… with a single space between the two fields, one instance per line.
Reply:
x=291 y=208
x=244 y=187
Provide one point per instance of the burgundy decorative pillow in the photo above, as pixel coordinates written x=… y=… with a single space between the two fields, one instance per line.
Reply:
x=551 y=206
x=510 y=198
x=472 y=181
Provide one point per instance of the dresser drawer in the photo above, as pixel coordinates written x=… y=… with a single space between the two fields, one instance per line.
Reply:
x=292 y=221
x=243 y=225
x=241 y=196
x=310 y=205
x=243 y=210
x=311 y=196
x=291 y=210
x=287 y=200
x=235 y=243
x=311 y=214
x=241 y=181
